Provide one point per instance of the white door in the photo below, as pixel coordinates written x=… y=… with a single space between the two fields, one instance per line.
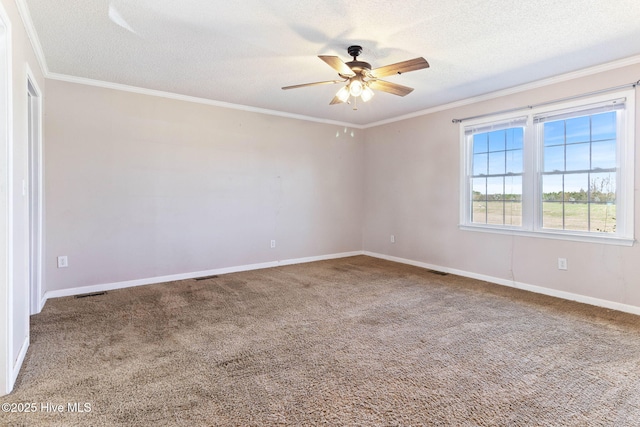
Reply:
x=6 y=308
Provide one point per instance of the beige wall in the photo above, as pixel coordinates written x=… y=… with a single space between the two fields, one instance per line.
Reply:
x=140 y=187
x=412 y=181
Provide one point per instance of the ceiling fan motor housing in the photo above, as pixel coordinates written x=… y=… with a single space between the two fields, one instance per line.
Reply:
x=354 y=51
x=355 y=65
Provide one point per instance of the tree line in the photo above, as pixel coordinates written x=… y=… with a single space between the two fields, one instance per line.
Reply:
x=601 y=190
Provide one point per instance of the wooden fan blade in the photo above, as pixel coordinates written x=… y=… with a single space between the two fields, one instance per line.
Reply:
x=389 y=87
x=335 y=100
x=401 y=67
x=328 y=82
x=338 y=65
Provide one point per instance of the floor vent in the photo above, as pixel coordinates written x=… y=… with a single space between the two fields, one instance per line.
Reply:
x=95 y=294
x=206 y=277
x=439 y=273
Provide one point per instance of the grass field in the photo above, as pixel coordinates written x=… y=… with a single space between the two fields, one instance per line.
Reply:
x=577 y=216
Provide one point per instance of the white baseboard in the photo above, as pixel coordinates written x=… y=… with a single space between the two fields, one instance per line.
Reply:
x=15 y=369
x=226 y=270
x=183 y=276
x=513 y=284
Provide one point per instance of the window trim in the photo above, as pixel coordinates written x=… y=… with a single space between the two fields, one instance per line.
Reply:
x=532 y=172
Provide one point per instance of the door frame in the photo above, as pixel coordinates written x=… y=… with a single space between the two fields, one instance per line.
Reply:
x=35 y=193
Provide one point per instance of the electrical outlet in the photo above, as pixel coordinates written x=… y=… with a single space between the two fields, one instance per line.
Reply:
x=273 y=244
x=393 y=238
x=562 y=263
x=63 y=261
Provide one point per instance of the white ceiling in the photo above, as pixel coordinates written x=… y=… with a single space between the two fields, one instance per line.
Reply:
x=243 y=52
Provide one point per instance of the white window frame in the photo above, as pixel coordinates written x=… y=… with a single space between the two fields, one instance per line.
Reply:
x=532 y=174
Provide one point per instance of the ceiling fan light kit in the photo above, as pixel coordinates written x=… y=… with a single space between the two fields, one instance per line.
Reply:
x=361 y=79
x=343 y=94
x=355 y=87
x=367 y=94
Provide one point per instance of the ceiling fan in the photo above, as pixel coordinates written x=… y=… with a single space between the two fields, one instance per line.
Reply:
x=361 y=79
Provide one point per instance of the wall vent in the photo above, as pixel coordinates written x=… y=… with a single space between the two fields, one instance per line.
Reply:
x=439 y=273
x=94 y=294
x=215 y=276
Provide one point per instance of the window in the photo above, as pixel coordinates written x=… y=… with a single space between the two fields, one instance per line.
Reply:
x=496 y=174
x=563 y=171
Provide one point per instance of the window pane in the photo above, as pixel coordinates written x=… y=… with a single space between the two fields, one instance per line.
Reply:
x=552 y=215
x=576 y=216
x=479 y=212
x=513 y=188
x=497 y=140
x=578 y=130
x=478 y=203
x=602 y=188
x=576 y=209
x=554 y=133
x=575 y=187
x=513 y=212
x=603 y=126
x=479 y=186
x=552 y=201
x=552 y=188
x=495 y=212
x=480 y=164
x=480 y=142
x=514 y=161
x=578 y=157
x=497 y=163
x=495 y=188
x=495 y=193
x=514 y=138
x=603 y=217
x=603 y=154
x=554 y=158
x=513 y=200
x=602 y=195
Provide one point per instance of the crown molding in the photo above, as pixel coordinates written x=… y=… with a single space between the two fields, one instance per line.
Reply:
x=23 y=10
x=608 y=66
x=194 y=99
x=632 y=60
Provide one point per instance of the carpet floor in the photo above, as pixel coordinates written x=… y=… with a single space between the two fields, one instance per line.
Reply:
x=355 y=341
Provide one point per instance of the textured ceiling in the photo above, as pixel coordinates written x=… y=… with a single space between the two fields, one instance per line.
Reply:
x=243 y=52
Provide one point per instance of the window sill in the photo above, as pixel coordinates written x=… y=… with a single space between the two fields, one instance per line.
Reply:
x=575 y=237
